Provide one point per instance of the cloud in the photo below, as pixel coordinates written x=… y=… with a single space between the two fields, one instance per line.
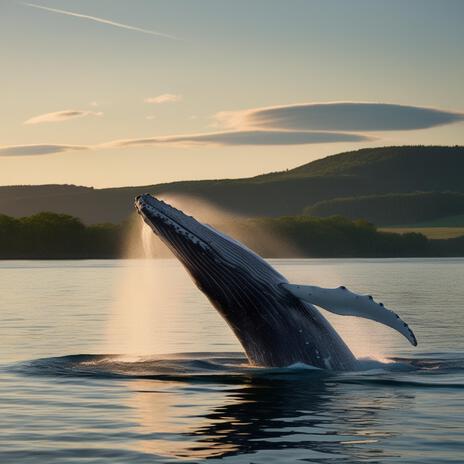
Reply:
x=40 y=149
x=164 y=98
x=228 y=138
x=59 y=116
x=340 y=116
x=102 y=21
x=245 y=137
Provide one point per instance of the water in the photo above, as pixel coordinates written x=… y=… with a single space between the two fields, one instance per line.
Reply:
x=126 y=362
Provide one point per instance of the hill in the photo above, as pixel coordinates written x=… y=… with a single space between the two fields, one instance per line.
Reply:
x=394 y=208
x=366 y=172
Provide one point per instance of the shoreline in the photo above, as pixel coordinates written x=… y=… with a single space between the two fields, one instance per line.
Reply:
x=265 y=257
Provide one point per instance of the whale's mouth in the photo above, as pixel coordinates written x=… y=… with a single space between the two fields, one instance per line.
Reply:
x=170 y=223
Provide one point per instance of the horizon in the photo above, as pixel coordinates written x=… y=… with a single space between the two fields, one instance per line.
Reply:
x=112 y=94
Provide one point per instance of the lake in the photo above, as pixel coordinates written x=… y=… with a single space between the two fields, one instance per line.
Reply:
x=125 y=361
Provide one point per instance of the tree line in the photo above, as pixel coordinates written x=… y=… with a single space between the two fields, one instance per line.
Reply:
x=59 y=236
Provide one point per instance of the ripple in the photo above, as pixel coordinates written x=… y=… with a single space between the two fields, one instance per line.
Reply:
x=232 y=367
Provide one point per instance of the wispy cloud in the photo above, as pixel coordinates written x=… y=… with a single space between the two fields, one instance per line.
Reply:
x=39 y=149
x=102 y=21
x=228 y=138
x=164 y=98
x=245 y=137
x=339 y=116
x=59 y=116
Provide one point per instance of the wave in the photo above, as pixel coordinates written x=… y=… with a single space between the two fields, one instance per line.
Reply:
x=433 y=371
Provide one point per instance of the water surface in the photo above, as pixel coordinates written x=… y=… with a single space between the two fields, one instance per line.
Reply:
x=126 y=362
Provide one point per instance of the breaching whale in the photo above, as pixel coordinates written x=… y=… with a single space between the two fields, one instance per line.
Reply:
x=276 y=322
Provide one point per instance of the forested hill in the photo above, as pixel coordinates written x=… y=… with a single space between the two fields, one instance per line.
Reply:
x=363 y=173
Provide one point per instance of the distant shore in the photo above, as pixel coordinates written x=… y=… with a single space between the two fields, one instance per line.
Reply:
x=58 y=236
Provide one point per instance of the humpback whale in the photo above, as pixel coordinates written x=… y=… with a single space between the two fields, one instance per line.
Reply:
x=276 y=322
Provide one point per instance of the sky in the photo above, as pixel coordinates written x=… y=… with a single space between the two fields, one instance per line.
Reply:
x=135 y=92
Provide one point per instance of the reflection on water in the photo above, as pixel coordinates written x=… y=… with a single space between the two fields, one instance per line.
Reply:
x=205 y=403
x=280 y=420
x=195 y=406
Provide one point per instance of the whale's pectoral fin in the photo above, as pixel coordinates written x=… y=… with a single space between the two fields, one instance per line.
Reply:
x=343 y=302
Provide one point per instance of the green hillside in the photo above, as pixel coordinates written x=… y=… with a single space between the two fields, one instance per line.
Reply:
x=367 y=172
x=445 y=221
x=394 y=208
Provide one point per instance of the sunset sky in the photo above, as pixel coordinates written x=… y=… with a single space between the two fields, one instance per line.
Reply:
x=119 y=92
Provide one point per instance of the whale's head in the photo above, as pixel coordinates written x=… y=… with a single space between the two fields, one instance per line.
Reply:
x=202 y=249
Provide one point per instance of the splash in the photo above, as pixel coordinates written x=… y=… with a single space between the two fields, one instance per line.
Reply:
x=255 y=233
x=145 y=298
x=148 y=242
x=140 y=242
x=366 y=339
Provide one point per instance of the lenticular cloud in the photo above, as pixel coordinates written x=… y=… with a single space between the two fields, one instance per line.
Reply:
x=340 y=116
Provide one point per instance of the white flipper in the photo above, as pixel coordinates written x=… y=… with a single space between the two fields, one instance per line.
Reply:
x=342 y=301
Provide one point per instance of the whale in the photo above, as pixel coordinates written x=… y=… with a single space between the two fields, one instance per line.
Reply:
x=277 y=323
